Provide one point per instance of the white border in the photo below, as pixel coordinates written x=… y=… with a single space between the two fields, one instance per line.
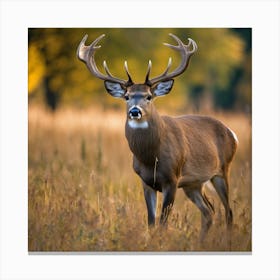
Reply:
x=17 y=16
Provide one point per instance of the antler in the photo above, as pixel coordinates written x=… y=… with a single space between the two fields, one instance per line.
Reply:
x=186 y=52
x=86 y=54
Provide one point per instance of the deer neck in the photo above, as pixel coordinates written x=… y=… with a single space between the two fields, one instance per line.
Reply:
x=144 y=140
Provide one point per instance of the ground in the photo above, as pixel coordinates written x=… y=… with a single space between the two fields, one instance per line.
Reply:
x=84 y=196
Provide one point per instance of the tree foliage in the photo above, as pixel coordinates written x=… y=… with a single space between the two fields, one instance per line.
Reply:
x=219 y=74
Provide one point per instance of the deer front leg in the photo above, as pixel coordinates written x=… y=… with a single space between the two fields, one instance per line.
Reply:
x=168 y=192
x=151 y=202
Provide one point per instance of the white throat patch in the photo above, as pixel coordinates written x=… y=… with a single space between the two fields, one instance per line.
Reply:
x=136 y=124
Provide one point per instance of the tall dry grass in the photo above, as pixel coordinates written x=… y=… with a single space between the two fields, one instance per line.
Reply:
x=84 y=196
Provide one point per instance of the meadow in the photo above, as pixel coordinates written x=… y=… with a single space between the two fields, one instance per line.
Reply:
x=84 y=196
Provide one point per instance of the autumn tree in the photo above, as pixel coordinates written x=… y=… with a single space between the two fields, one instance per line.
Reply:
x=219 y=76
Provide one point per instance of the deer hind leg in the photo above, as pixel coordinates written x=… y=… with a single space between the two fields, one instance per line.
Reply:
x=203 y=205
x=221 y=186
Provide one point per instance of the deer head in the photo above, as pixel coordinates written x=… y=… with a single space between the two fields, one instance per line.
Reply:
x=139 y=96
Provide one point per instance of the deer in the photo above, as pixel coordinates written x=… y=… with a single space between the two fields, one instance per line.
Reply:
x=169 y=153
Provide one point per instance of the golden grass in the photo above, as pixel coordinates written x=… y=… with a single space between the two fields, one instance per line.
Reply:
x=84 y=196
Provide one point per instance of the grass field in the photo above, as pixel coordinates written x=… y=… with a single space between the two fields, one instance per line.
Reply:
x=84 y=196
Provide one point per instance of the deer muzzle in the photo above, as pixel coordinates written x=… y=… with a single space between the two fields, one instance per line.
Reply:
x=135 y=113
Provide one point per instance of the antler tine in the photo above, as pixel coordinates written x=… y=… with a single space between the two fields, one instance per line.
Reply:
x=168 y=66
x=193 y=43
x=180 y=43
x=86 y=54
x=93 y=44
x=148 y=72
x=147 y=81
x=81 y=49
x=129 y=82
x=106 y=69
x=185 y=52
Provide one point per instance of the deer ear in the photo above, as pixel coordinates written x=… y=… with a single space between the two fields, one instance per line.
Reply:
x=115 y=89
x=162 y=88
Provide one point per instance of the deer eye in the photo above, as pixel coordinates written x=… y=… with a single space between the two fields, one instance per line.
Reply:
x=126 y=97
x=149 y=97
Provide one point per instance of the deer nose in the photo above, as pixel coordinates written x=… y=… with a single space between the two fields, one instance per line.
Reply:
x=135 y=113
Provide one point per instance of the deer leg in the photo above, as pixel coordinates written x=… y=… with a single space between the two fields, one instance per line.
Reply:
x=197 y=198
x=168 y=200
x=221 y=187
x=151 y=202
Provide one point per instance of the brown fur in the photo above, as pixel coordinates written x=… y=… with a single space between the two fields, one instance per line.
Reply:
x=190 y=150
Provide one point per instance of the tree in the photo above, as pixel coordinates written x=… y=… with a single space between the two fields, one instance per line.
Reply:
x=56 y=73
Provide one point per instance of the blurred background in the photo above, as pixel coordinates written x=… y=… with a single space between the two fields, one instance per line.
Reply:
x=218 y=77
x=80 y=177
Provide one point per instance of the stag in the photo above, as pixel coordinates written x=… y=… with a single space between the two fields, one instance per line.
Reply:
x=170 y=152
